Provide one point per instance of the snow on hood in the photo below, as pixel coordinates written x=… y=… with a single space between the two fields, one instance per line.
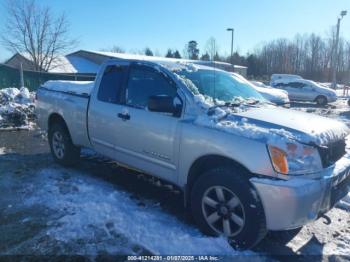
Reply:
x=270 y=124
x=306 y=128
x=272 y=94
x=76 y=87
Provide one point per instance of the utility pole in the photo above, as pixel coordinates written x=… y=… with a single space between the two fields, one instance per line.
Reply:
x=21 y=76
x=232 y=35
x=335 y=51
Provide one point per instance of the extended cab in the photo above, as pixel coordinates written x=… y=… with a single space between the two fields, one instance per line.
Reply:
x=244 y=165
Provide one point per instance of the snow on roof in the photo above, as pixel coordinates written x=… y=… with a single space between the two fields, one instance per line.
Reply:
x=155 y=58
x=69 y=64
x=239 y=66
x=136 y=57
x=73 y=64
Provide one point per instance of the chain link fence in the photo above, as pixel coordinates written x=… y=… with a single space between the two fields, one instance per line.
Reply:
x=10 y=77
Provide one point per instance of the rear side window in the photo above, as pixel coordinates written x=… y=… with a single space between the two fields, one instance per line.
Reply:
x=111 y=84
x=296 y=85
x=145 y=82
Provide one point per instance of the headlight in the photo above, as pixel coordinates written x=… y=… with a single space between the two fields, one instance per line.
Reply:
x=295 y=159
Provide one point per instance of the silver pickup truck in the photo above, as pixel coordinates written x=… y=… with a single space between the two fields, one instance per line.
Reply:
x=245 y=166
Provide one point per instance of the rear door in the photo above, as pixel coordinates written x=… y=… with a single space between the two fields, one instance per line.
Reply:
x=103 y=120
x=295 y=90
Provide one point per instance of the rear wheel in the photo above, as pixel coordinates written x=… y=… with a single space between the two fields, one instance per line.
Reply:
x=225 y=203
x=321 y=100
x=62 y=149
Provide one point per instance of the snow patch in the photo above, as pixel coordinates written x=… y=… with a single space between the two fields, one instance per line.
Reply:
x=16 y=108
x=2 y=150
x=93 y=202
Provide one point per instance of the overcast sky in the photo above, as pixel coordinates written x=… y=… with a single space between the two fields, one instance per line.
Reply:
x=161 y=24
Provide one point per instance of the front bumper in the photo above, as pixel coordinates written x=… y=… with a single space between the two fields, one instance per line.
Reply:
x=331 y=99
x=292 y=203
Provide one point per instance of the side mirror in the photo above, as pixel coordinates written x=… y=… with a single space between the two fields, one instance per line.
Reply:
x=164 y=104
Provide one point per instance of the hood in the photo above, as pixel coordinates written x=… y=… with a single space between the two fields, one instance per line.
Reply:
x=305 y=127
x=273 y=95
x=325 y=90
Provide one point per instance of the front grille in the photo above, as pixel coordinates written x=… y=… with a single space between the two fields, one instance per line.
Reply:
x=332 y=152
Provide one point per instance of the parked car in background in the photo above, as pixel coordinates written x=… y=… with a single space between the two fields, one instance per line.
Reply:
x=275 y=77
x=276 y=96
x=305 y=90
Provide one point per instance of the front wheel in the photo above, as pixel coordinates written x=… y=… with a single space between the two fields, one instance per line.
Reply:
x=225 y=203
x=321 y=100
x=62 y=149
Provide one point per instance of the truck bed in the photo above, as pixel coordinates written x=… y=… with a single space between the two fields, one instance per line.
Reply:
x=70 y=100
x=74 y=87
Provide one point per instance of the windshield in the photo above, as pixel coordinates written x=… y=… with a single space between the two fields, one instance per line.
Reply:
x=220 y=85
x=313 y=83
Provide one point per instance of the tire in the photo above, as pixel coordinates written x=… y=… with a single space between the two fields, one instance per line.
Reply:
x=246 y=217
x=321 y=100
x=63 y=150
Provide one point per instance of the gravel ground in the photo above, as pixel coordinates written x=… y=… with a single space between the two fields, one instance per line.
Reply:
x=99 y=209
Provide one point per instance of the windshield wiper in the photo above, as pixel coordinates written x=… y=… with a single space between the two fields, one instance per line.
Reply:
x=211 y=110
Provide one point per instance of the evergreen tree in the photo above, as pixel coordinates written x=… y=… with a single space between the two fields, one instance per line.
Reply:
x=148 y=52
x=169 y=53
x=192 y=50
x=177 y=54
x=205 y=57
x=217 y=57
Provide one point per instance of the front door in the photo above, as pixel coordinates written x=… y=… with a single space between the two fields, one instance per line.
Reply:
x=148 y=140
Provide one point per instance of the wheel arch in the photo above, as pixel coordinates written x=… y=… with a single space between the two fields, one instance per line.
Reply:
x=203 y=163
x=57 y=118
x=319 y=96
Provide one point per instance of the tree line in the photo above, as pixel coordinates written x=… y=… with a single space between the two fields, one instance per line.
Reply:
x=308 y=55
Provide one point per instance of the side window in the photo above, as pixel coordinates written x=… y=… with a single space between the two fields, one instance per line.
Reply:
x=294 y=84
x=144 y=82
x=111 y=84
x=280 y=85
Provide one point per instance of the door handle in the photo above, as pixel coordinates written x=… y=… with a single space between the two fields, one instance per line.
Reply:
x=124 y=116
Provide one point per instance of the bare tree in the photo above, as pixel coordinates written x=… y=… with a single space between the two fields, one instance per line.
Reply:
x=34 y=30
x=212 y=48
x=117 y=49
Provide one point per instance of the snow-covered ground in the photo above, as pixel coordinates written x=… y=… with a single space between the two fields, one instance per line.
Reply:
x=91 y=203
x=16 y=108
